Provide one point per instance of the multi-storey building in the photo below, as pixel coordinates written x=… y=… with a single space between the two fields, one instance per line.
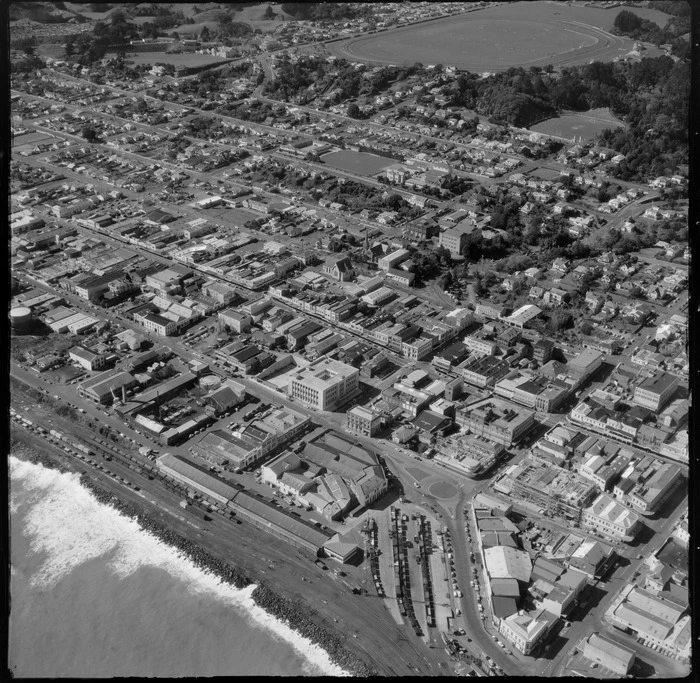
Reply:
x=611 y=519
x=655 y=392
x=363 y=421
x=325 y=384
x=497 y=420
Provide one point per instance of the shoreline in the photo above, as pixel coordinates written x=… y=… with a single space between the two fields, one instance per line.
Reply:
x=292 y=612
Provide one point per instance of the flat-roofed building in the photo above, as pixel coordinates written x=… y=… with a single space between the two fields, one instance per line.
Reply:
x=591 y=558
x=159 y=324
x=533 y=391
x=363 y=421
x=484 y=347
x=655 y=392
x=238 y=321
x=325 y=384
x=586 y=363
x=485 y=371
x=249 y=444
x=496 y=420
x=454 y=239
x=613 y=656
x=490 y=310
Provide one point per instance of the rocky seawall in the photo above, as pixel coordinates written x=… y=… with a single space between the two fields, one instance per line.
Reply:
x=294 y=613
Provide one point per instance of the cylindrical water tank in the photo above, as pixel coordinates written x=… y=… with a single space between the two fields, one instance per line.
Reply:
x=210 y=382
x=21 y=318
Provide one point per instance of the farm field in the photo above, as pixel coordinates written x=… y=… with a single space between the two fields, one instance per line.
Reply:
x=176 y=59
x=570 y=126
x=497 y=38
x=357 y=162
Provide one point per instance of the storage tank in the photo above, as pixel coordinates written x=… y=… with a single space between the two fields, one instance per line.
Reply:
x=210 y=382
x=21 y=319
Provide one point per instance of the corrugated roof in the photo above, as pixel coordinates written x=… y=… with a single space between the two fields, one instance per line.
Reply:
x=204 y=481
x=283 y=521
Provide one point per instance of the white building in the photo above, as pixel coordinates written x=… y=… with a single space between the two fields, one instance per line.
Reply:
x=325 y=384
x=611 y=519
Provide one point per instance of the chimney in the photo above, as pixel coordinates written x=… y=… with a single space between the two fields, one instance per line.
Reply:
x=124 y=393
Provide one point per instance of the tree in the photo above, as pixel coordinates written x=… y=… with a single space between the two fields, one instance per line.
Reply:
x=89 y=133
x=445 y=280
x=204 y=34
x=27 y=45
x=354 y=111
x=269 y=13
x=393 y=201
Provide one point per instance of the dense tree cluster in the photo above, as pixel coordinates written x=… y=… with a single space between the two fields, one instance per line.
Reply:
x=651 y=96
x=629 y=24
x=320 y=11
x=27 y=64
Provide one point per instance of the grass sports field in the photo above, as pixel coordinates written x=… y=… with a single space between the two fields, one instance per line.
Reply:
x=570 y=126
x=496 y=38
x=176 y=59
x=357 y=162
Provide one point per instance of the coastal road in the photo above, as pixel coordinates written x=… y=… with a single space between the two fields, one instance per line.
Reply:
x=377 y=639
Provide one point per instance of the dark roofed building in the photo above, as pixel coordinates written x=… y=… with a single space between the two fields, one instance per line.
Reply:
x=504 y=606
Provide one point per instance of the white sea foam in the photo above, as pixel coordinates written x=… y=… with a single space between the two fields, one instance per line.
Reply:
x=70 y=527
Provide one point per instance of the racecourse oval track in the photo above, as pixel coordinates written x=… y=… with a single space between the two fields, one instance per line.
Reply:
x=437 y=42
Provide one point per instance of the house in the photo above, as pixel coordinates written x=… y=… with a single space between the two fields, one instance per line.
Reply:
x=560 y=265
x=555 y=296
x=594 y=302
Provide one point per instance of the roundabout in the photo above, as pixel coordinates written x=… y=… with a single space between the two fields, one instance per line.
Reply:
x=443 y=490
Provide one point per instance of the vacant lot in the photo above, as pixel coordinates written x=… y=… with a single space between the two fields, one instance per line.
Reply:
x=570 y=126
x=496 y=38
x=358 y=162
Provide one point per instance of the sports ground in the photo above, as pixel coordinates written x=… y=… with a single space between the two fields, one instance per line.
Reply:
x=358 y=162
x=573 y=126
x=496 y=38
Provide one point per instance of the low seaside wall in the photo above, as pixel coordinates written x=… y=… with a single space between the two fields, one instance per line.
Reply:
x=294 y=613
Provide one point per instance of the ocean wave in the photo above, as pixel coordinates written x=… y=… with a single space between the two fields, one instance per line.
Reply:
x=67 y=525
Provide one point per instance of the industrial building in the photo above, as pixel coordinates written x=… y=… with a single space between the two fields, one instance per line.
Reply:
x=613 y=656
